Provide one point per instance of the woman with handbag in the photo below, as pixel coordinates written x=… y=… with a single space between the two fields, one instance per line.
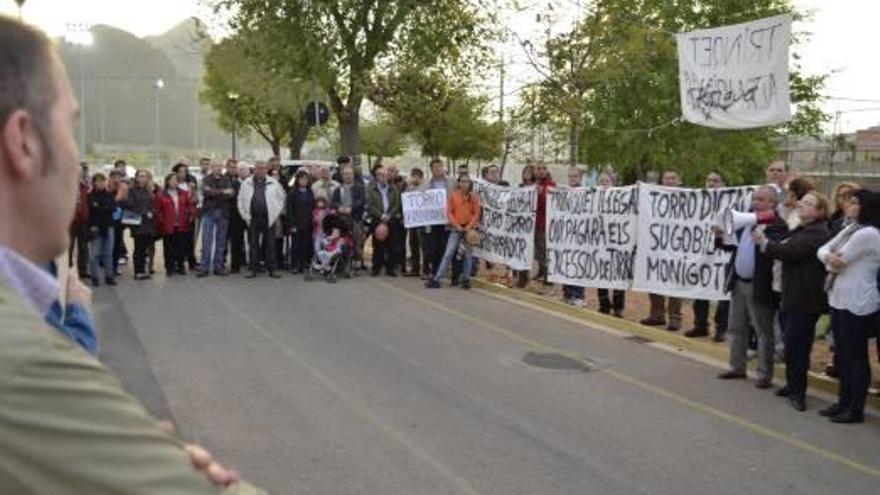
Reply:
x=463 y=212
x=140 y=217
x=852 y=258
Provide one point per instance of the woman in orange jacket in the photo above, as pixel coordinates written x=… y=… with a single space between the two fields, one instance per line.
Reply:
x=463 y=211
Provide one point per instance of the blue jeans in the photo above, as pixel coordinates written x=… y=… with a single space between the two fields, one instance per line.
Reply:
x=451 y=248
x=214 y=223
x=101 y=250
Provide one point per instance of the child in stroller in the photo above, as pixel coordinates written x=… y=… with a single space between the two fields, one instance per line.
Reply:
x=332 y=247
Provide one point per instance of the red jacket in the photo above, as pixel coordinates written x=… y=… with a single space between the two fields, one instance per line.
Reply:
x=541 y=211
x=81 y=217
x=164 y=207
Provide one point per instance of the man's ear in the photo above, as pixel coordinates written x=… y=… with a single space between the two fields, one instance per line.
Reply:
x=20 y=145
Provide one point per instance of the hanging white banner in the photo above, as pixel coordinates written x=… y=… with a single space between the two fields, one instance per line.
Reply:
x=736 y=77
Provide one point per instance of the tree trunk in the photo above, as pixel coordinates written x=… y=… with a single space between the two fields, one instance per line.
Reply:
x=349 y=134
x=298 y=136
x=276 y=147
x=573 y=142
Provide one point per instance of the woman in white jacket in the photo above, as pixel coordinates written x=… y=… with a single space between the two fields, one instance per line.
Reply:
x=852 y=259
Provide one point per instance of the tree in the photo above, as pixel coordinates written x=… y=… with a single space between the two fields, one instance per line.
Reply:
x=630 y=103
x=381 y=139
x=464 y=135
x=345 y=43
x=266 y=103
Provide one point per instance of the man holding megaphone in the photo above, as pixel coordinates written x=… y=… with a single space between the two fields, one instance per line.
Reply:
x=752 y=301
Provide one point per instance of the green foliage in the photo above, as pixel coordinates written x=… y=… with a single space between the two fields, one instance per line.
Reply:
x=346 y=43
x=382 y=139
x=264 y=101
x=614 y=79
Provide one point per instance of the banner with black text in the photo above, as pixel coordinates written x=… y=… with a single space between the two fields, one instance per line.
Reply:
x=424 y=208
x=507 y=224
x=591 y=236
x=676 y=254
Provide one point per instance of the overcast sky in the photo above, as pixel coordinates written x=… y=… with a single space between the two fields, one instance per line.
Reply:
x=844 y=40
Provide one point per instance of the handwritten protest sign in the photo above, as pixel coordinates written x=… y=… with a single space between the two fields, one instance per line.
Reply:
x=676 y=254
x=591 y=236
x=736 y=77
x=423 y=208
x=508 y=225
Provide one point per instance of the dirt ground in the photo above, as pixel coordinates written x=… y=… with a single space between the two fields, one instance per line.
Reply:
x=637 y=307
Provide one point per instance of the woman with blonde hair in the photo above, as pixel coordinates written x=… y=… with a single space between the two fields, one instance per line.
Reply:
x=803 y=289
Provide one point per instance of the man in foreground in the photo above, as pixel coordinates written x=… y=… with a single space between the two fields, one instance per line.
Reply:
x=66 y=425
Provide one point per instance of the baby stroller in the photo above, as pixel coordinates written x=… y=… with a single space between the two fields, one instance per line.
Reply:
x=333 y=248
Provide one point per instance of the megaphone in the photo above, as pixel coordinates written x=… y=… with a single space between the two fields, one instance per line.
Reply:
x=733 y=220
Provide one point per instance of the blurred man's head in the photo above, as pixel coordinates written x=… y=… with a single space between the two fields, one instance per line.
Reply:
x=776 y=173
x=392 y=171
x=670 y=178
x=575 y=177
x=493 y=175
x=541 y=171
x=765 y=198
x=182 y=170
x=381 y=175
x=714 y=180
x=83 y=171
x=244 y=171
x=216 y=168
x=121 y=167
x=204 y=165
x=232 y=167
x=39 y=169
x=438 y=169
x=261 y=169
x=274 y=163
x=346 y=171
x=416 y=176
x=325 y=173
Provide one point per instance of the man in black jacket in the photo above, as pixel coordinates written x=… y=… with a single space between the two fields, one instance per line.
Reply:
x=752 y=301
x=237 y=227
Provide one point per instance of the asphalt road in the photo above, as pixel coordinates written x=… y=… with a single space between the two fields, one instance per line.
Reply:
x=379 y=386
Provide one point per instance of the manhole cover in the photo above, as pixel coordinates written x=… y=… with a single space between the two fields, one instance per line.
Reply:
x=552 y=361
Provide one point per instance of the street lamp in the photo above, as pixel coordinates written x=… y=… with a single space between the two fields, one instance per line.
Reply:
x=157 y=85
x=78 y=34
x=233 y=99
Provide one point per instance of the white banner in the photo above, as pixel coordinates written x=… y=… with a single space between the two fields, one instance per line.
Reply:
x=675 y=254
x=423 y=208
x=591 y=236
x=507 y=223
x=736 y=77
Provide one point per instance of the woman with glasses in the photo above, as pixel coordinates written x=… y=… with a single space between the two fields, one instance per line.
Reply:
x=803 y=290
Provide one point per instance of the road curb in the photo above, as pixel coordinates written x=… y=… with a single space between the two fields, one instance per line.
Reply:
x=628 y=328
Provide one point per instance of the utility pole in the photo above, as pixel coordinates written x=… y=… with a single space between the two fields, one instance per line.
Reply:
x=501 y=91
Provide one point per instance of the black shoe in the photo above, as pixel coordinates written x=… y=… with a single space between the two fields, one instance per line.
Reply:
x=235 y=270
x=832 y=410
x=221 y=272
x=181 y=271
x=672 y=328
x=251 y=275
x=110 y=281
x=432 y=284
x=202 y=274
x=454 y=283
x=732 y=375
x=798 y=403
x=718 y=337
x=374 y=273
x=96 y=282
x=170 y=273
x=466 y=284
x=848 y=417
x=274 y=275
x=152 y=271
x=653 y=322
x=605 y=311
x=392 y=273
x=696 y=332
x=783 y=392
x=763 y=383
